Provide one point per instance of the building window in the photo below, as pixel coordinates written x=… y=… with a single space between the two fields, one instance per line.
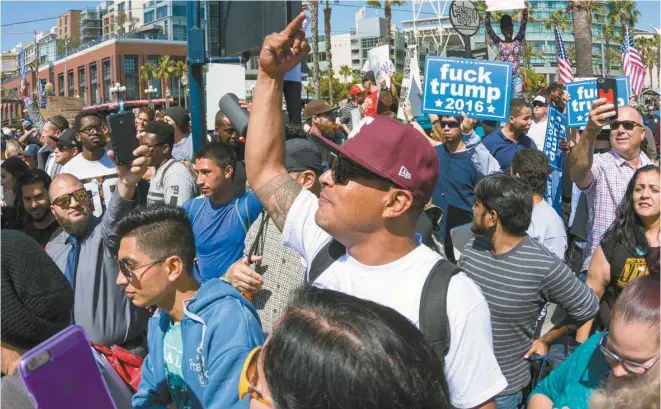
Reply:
x=70 y=83
x=132 y=78
x=161 y=12
x=60 y=85
x=107 y=79
x=94 y=83
x=179 y=9
x=149 y=16
x=82 y=85
x=179 y=32
x=120 y=6
x=66 y=20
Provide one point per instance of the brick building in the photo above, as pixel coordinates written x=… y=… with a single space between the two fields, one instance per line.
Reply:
x=91 y=72
x=68 y=26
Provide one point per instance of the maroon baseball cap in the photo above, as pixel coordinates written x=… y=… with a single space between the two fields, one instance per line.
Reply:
x=394 y=151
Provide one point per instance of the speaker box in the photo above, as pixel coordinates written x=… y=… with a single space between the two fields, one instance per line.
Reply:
x=242 y=25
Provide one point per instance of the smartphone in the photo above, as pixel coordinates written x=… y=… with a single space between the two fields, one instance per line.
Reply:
x=61 y=372
x=607 y=89
x=229 y=104
x=123 y=136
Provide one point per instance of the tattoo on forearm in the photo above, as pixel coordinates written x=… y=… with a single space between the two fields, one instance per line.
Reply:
x=277 y=195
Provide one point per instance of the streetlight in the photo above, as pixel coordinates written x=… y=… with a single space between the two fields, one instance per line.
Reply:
x=167 y=97
x=117 y=92
x=184 y=82
x=149 y=91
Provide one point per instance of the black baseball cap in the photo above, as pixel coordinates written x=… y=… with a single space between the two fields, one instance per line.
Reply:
x=68 y=138
x=369 y=75
x=301 y=155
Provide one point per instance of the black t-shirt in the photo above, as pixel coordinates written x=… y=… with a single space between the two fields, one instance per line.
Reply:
x=626 y=265
x=42 y=236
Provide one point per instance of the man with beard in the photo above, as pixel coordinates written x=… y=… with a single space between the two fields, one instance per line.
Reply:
x=86 y=252
x=179 y=118
x=173 y=183
x=34 y=187
x=321 y=118
x=92 y=166
x=503 y=143
x=517 y=275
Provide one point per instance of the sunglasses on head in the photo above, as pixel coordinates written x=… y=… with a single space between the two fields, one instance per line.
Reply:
x=342 y=170
x=449 y=124
x=64 y=201
x=627 y=125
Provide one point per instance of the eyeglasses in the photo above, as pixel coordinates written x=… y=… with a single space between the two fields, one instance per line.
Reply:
x=627 y=125
x=91 y=129
x=614 y=360
x=449 y=124
x=249 y=377
x=151 y=147
x=61 y=147
x=538 y=104
x=342 y=170
x=128 y=272
x=64 y=201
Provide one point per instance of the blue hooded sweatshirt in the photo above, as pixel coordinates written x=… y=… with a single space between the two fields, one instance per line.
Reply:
x=219 y=328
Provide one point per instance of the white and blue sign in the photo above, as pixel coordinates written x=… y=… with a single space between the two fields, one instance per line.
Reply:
x=583 y=93
x=556 y=129
x=480 y=89
x=21 y=64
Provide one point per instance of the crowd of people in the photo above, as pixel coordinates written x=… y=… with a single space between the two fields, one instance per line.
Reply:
x=336 y=263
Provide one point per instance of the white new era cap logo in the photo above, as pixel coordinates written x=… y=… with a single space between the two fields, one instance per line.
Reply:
x=403 y=172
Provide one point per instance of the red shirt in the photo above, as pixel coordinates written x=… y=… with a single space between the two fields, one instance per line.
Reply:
x=371 y=101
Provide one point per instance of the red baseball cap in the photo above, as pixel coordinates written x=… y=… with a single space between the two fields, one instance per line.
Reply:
x=356 y=89
x=393 y=151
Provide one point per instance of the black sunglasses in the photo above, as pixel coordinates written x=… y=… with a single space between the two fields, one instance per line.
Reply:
x=538 y=104
x=627 y=125
x=342 y=170
x=450 y=124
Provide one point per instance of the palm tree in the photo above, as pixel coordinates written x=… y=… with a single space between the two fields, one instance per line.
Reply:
x=314 y=27
x=163 y=70
x=557 y=18
x=345 y=71
x=656 y=44
x=180 y=68
x=147 y=73
x=625 y=11
x=329 y=57
x=582 y=36
x=530 y=52
x=387 y=12
x=608 y=35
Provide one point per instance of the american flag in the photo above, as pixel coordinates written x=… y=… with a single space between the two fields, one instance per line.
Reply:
x=564 y=66
x=632 y=64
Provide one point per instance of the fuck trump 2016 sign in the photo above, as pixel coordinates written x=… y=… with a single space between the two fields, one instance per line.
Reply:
x=583 y=93
x=480 y=89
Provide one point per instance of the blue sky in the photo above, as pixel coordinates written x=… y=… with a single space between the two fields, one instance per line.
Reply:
x=342 y=16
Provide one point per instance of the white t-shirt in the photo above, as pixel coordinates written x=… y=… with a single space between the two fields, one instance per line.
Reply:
x=537 y=133
x=472 y=373
x=548 y=229
x=99 y=178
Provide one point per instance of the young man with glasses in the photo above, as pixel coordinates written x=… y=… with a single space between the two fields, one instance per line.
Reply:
x=93 y=166
x=66 y=147
x=604 y=177
x=200 y=336
x=173 y=183
x=537 y=131
x=86 y=251
x=373 y=195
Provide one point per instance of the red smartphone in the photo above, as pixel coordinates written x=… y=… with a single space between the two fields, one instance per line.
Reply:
x=61 y=372
x=607 y=89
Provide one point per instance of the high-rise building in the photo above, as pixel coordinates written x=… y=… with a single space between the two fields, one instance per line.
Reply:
x=90 y=24
x=371 y=33
x=165 y=18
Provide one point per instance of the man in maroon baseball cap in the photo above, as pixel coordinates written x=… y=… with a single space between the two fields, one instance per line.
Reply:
x=359 y=237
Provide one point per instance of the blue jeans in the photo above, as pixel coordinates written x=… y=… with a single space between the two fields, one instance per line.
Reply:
x=509 y=401
x=517 y=86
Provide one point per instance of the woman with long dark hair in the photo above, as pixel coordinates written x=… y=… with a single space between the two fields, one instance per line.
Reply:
x=621 y=255
x=331 y=350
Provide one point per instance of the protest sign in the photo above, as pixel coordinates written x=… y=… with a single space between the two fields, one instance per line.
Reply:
x=464 y=17
x=222 y=79
x=583 y=93
x=68 y=107
x=481 y=89
x=496 y=5
x=21 y=64
x=480 y=54
x=411 y=92
x=556 y=129
x=378 y=61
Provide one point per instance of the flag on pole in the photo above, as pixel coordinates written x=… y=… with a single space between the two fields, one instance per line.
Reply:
x=360 y=15
x=632 y=64
x=564 y=66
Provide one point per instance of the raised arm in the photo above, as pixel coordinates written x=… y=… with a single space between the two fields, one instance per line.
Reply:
x=487 y=24
x=265 y=142
x=33 y=110
x=524 y=22
x=583 y=153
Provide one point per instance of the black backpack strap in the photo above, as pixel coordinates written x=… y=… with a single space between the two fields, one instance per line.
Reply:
x=434 y=323
x=324 y=258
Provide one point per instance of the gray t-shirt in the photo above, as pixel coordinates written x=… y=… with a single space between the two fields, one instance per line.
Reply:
x=173 y=184
x=548 y=229
x=183 y=150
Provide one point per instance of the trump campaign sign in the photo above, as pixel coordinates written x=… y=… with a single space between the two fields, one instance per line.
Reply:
x=480 y=89
x=583 y=93
x=556 y=129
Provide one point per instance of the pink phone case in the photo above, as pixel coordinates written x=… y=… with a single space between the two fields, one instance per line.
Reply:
x=61 y=373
